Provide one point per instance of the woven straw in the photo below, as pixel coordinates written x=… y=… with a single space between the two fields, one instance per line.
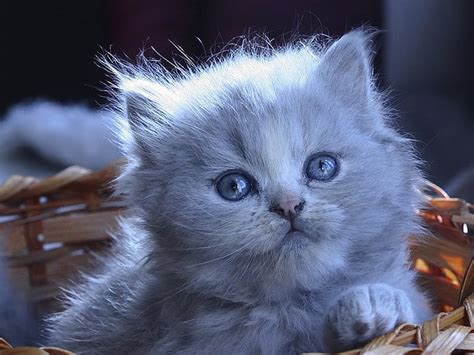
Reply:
x=51 y=228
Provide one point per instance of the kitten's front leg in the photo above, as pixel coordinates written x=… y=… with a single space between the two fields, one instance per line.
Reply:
x=364 y=312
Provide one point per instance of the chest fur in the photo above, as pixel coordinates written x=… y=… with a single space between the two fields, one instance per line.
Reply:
x=263 y=329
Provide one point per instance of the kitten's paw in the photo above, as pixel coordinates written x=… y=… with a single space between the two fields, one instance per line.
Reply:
x=365 y=312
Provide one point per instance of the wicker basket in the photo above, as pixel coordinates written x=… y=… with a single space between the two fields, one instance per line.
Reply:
x=50 y=228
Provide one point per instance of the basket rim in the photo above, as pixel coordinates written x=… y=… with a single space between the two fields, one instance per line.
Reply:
x=18 y=188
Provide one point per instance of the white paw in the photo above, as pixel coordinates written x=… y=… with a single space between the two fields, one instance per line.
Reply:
x=365 y=312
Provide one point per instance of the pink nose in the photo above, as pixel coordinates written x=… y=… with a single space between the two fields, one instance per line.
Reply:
x=287 y=207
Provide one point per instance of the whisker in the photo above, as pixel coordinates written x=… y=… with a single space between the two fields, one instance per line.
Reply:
x=224 y=256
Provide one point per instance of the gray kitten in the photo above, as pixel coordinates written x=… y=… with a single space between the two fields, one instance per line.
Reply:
x=271 y=201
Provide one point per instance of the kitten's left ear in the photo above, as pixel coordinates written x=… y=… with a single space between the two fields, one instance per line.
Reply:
x=345 y=67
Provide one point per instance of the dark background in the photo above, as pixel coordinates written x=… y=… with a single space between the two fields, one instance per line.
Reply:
x=48 y=50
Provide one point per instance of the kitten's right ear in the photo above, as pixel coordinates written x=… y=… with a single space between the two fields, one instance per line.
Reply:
x=144 y=103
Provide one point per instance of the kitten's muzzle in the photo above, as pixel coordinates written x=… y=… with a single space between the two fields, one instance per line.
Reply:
x=288 y=208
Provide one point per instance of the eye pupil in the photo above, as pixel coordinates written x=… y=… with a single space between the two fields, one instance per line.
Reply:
x=322 y=167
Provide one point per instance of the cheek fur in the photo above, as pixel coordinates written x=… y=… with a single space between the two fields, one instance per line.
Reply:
x=322 y=220
x=209 y=220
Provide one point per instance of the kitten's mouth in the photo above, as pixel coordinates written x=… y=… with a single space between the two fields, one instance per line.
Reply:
x=294 y=233
x=293 y=230
x=294 y=238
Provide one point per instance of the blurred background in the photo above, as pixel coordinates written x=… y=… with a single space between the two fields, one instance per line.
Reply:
x=424 y=58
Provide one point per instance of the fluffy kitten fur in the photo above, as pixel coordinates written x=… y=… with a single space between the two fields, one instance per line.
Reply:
x=194 y=273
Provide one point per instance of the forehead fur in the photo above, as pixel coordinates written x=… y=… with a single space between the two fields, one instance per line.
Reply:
x=254 y=61
x=251 y=77
x=243 y=78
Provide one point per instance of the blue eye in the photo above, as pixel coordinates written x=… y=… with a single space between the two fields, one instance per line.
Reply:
x=234 y=186
x=322 y=167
